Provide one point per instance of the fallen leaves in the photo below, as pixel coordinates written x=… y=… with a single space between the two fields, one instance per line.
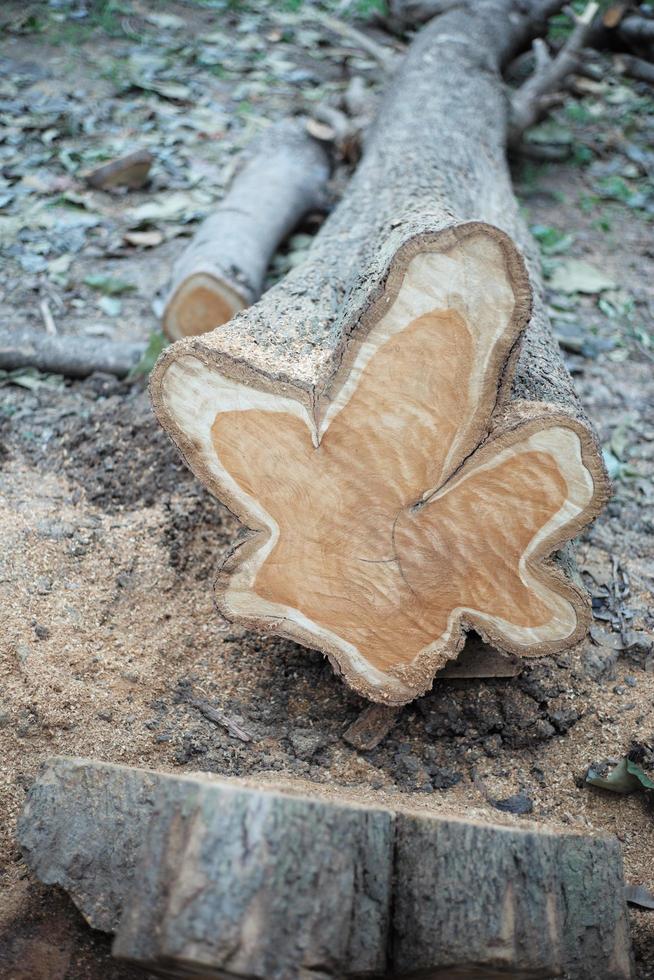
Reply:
x=625 y=777
x=109 y=285
x=178 y=206
x=577 y=276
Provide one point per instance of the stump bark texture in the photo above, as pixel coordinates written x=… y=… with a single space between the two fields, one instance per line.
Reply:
x=393 y=421
x=282 y=177
x=219 y=878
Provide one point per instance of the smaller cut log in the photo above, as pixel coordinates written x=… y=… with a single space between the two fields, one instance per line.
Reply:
x=225 y=879
x=74 y=357
x=222 y=271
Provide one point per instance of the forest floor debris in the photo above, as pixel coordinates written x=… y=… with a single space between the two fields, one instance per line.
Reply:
x=109 y=544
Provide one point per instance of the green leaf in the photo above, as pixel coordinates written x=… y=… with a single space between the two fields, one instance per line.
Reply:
x=551 y=240
x=577 y=276
x=109 y=285
x=31 y=378
x=550 y=132
x=616 y=469
x=626 y=777
x=156 y=344
x=110 y=305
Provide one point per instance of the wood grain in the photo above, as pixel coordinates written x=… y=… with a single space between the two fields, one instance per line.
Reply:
x=393 y=421
x=382 y=526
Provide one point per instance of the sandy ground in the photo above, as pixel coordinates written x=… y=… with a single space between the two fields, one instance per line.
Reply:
x=109 y=545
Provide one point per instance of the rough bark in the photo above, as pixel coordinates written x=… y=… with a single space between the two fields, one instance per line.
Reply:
x=409 y=352
x=554 y=897
x=222 y=271
x=217 y=878
x=74 y=357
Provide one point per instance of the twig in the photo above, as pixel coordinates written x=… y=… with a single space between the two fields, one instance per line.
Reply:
x=219 y=718
x=386 y=57
x=533 y=98
x=48 y=319
x=72 y=356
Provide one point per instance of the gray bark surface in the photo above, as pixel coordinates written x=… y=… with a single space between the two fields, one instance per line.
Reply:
x=549 y=901
x=214 y=878
x=282 y=177
x=435 y=158
x=74 y=357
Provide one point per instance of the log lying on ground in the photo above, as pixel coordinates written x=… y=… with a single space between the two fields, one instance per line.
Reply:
x=74 y=357
x=222 y=270
x=393 y=421
x=218 y=878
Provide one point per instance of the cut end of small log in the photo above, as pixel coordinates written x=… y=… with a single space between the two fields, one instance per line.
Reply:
x=395 y=508
x=200 y=304
x=222 y=270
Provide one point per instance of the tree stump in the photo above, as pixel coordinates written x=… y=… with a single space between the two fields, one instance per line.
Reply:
x=225 y=879
x=393 y=422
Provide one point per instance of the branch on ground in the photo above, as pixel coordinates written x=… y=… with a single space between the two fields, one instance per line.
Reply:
x=543 y=89
x=71 y=356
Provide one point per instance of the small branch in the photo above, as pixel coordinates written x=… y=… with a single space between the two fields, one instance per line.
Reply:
x=48 y=319
x=72 y=356
x=531 y=100
x=219 y=718
x=386 y=57
x=222 y=270
x=637 y=30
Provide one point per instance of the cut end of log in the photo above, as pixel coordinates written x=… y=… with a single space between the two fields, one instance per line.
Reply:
x=200 y=304
x=401 y=505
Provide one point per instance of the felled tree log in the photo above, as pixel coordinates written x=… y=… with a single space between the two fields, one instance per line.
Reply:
x=393 y=421
x=218 y=878
x=222 y=271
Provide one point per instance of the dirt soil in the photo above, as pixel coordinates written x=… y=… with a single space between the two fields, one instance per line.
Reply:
x=109 y=545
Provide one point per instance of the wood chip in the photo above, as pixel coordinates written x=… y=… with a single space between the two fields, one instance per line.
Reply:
x=371 y=727
x=640 y=896
x=129 y=171
x=143 y=239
